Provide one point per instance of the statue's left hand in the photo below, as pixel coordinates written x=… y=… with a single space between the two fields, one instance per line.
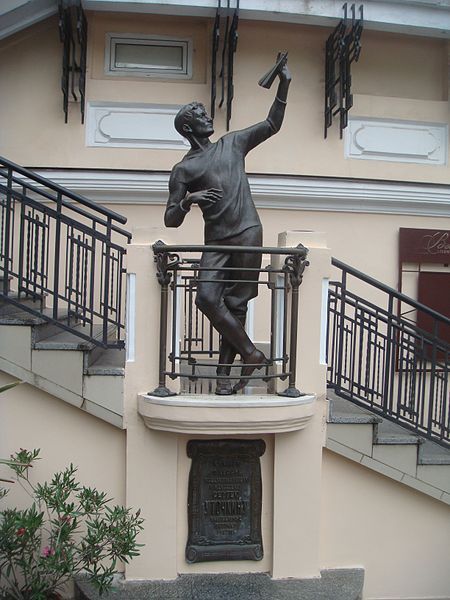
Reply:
x=204 y=198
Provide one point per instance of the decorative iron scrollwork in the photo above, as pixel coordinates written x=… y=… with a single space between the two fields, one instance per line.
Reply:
x=342 y=48
x=73 y=78
x=295 y=265
x=228 y=50
x=165 y=262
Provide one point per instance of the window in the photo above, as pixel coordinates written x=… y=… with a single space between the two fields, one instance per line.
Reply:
x=148 y=56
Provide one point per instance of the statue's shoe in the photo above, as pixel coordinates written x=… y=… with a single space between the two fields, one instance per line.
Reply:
x=255 y=360
x=223 y=387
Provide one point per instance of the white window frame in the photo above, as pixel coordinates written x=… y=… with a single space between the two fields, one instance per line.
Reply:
x=112 y=39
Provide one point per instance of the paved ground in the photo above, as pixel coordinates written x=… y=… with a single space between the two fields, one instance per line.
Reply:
x=339 y=584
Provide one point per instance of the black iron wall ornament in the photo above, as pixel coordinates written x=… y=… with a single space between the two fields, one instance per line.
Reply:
x=73 y=78
x=342 y=48
x=215 y=49
x=228 y=50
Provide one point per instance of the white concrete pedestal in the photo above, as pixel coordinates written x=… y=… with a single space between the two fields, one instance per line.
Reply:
x=292 y=428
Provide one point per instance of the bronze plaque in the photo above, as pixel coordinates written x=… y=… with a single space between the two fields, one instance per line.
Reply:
x=224 y=500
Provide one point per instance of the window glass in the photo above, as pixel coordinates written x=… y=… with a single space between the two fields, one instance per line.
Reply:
x=147 y=56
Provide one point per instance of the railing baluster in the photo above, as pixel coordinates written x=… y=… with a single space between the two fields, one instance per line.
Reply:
x=387 y=363
x=106 y=282
x=7 y=234
x=21 y=249
x=92 y=279
x=341 y=331
x=431 y=395
x=56 y=254
x=173 y=351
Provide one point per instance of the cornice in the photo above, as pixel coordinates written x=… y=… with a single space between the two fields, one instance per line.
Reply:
x=413 y=17
x=270 y=192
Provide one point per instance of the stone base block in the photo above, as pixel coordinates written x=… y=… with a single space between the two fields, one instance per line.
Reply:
x=334 y=584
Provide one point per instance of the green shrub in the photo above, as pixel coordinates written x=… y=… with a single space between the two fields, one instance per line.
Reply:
x=68 y=529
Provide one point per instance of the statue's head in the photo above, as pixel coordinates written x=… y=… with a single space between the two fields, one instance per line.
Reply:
x=192 y=120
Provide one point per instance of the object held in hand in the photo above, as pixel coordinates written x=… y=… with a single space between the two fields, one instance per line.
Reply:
x=267 y=79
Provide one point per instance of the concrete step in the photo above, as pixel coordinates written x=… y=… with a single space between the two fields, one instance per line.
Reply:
x=42 y=328
x=60 y=366
x=333 y=584
x=109 y=362
x=343 y=411
x=7 y=304
x=65 y=340
x=433 y=454
x=388 y=433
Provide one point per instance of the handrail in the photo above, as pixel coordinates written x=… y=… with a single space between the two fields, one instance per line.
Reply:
x=161 y=247
x=385 y=288
x=63 y=256
x=64 y=204
x=58 y=188
x=385 y=362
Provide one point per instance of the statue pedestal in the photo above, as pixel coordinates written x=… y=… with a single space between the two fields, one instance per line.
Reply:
x=211 y=415
x=292 y=429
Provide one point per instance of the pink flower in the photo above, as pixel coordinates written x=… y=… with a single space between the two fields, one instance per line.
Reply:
x=47 y=551
x=21 y=531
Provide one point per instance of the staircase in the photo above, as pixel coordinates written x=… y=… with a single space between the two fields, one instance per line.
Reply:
x=389 y=384
x=388 y=448
x=62 y=281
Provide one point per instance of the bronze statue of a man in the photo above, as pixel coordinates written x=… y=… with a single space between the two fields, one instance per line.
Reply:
x=212 y=175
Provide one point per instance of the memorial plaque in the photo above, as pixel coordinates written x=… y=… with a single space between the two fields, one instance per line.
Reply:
x=224 y=500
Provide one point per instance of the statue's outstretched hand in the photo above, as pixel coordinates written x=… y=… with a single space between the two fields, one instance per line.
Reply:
x=204 y=198
x=285 y=74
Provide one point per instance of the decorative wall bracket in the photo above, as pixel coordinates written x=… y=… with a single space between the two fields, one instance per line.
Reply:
x=229 y=46
x=73 y=78
x=342 y=48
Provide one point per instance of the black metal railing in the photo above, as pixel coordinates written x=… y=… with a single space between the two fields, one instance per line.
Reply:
x=61 y=256
x=380 y=359
x=189 y=346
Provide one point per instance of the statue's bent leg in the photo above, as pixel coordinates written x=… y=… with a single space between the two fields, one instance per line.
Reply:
x=238 y=295
x=210 y=300
x=227 y=354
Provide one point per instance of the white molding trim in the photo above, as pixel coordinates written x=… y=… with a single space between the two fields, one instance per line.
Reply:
x=413 y=17
x=130 y=125
x=396 y=140
x=18 y=15
x=281 y=192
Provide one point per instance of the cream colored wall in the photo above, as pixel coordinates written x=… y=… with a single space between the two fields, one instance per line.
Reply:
x=31 y=418
x=396 y=77
x=401 y=66
x=368 y=242
x=401 y=537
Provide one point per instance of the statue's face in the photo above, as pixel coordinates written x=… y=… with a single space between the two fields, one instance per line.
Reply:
x=200 y=123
